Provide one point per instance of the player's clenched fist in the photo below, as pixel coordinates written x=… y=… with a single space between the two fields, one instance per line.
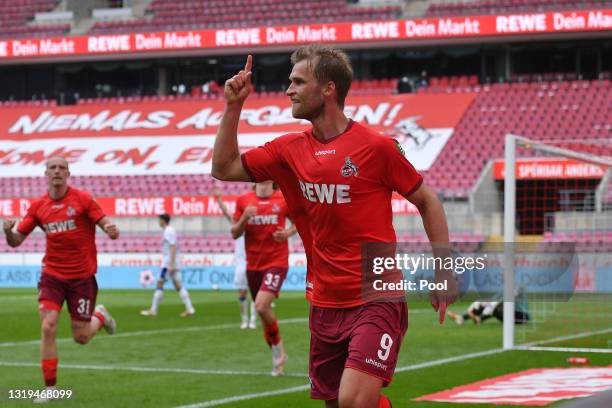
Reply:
x=8 y=225
x=112 y=231
x=237 y=88
x=250 y=211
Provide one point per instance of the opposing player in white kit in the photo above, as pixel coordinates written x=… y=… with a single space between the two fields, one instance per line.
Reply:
x=169 y=269
x=240 y=278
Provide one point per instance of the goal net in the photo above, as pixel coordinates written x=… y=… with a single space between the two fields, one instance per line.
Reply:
x=558 y=235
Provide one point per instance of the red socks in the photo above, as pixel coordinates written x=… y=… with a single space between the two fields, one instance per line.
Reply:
x=384 y=402
x=271 y=333
x=49 y=369
x=100 y=317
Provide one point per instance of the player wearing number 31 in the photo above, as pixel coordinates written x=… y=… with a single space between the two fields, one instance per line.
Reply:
x=260 y=216
x=340 y=175
x=68 y=217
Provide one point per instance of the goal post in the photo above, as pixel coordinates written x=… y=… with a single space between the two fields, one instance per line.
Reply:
x=554 y=193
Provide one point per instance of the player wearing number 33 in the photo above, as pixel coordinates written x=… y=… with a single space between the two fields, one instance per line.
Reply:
x=260 y=216
x=340 y=175
x=68 y=217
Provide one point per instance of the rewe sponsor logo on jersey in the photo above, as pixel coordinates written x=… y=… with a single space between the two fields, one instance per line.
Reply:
x=269 y=219
x=375 y=363
x=60 y=226
x=324 y=152
x=325 y=193
x=349 y=169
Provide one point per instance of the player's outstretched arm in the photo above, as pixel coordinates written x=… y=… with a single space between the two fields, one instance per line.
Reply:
x=239 y=226
x=13 y=238
x=436 y=227
x=226 y=163
x=109 y=228
x=222 y=206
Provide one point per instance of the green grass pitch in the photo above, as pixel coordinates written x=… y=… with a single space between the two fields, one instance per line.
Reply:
x=206 y=360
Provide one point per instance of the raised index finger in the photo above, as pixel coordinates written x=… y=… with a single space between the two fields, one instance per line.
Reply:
x=249 y=64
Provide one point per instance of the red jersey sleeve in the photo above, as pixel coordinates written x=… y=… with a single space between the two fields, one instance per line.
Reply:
x=399 y=174
x=30 y=221
x=260 y=163
x=239 y=208
x=92 y=208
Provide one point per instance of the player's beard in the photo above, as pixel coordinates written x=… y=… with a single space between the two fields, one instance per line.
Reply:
x=310 y=111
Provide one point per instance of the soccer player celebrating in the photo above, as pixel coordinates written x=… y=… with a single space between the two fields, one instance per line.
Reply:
x=68 y=217
x=342 y=175
x=240 y=278
x=260 y=216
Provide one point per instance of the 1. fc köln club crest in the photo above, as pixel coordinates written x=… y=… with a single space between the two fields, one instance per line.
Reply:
x=349 y=169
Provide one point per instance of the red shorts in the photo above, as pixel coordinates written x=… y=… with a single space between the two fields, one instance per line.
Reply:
x=366 y=338
x=80 y=295
x=269 y=280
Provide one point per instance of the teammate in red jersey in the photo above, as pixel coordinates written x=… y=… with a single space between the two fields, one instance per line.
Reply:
x=342 y=178
x=68 y=217
x=260 y=216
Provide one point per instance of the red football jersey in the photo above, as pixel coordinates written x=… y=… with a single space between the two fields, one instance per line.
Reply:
x=262 y=251
x=70 y=226
x=344 y=187
x=288 y=184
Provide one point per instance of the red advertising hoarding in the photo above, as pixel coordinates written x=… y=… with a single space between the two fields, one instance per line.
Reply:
x=177 y=137
x=545 y=169
x=184 y=206
x=355 y=32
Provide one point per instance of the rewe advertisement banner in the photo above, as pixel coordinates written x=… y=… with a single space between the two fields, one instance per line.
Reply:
x=182 y=206
x=178 y=137
x=352 y=32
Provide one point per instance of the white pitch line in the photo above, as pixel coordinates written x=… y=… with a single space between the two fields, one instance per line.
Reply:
x=152 y=332
x=412 y=367
x=18 y=297
x=153 y=369
x=568 y=337
x=164 y=331
x=447 y=360
x=246 y=397
x=571 y=349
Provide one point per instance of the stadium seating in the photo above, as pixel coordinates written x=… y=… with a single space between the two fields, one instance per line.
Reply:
x=212 y=14
x=212 y=243
x=591 y=241
x=15 y=15
x=139 y=243
x=483 y=7
x=22 y=104
x=557 y=111
x=143 y=186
